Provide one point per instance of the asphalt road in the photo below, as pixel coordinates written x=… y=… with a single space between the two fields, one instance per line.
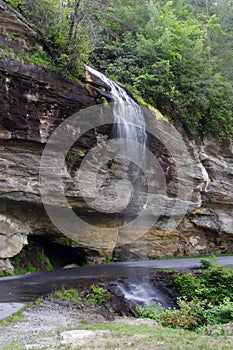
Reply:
x=15 y=291
x=178 y=264
x=8 y=309
x=27 y=287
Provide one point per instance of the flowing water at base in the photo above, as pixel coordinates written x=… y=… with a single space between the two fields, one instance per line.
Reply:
x=145 y=293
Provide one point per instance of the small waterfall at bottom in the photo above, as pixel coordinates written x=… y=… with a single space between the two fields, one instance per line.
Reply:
x=145 y=293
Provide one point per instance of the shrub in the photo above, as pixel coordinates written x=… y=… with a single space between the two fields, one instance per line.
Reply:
x=189 y=315
x=98 y=295
x=67 y=295
x=214 y=284
x=192 y=314
x=204 y=300
x=188 y=285
x=219 y=283
x=148 y=312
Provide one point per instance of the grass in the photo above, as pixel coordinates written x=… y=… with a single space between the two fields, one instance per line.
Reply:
x=13 y=346
x=70 y=295
x=124 y=335
x=177 y=256
x=16 y=317
x=144 y=336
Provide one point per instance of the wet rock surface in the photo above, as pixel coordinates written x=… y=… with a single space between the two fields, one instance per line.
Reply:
x=33 y=102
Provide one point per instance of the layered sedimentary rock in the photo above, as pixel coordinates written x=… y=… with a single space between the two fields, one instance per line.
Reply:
x=33 y=102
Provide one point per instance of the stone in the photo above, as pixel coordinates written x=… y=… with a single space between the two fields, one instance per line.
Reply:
x=13 y=236
x=6 y=267
x=191 y=201
x=78 y=338
x=12 y=23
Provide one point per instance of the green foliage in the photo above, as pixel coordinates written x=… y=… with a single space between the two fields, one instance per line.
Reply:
x=31 y=259
x=176 y=55
x=172 y=58
x=70 y=295
x=5 y=274
x=80 y=153
x=98 y=295
x=206 y=263
x=192 y=314
x=187 y=316
x=218 y=281
x=188 y=285
x=152 y=312
x=39 y=56
x=15 y=3
x=63 y=30
x=16 y=317
x=107 y=259
x=65 y=240
x=204 y=301
x=215 y=284
x=6 y=51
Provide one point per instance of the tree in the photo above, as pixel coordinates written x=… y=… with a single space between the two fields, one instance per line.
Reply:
x=177 y=54
x=170 y=53
x=61 y=23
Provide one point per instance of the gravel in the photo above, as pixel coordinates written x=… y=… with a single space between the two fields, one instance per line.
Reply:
x=43 y=324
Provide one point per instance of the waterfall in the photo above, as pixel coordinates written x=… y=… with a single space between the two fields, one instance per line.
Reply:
x=130 y=160
x=144 y=292
x=129 y=122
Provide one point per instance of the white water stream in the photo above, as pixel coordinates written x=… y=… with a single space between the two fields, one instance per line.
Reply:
x=145 y=294
x=129 y=125
x=128 y=117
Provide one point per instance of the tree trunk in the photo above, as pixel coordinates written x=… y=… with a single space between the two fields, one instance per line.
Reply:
x=73 y=20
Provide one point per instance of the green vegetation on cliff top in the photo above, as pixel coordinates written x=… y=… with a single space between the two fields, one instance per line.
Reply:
x=176 y=55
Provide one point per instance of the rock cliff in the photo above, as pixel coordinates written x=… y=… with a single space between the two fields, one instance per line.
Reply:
x=33 y=102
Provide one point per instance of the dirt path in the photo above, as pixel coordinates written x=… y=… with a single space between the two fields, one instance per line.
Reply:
x=42 y=324
x=57 y=325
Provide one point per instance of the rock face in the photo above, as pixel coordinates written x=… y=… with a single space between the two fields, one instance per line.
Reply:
x=33 y=102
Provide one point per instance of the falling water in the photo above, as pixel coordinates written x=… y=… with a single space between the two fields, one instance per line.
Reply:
x=128 y=117
x=130 y=129
x=145 y=293
x=129 y=125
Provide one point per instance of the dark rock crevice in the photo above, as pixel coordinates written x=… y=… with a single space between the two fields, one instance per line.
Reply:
x=60 y=255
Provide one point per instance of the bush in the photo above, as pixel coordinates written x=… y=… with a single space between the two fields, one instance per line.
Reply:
x=189 y=315
x=218 y=281
x=188 y=285
x=214 y=284
x=203 y=300
x=68 y=295
x=98 y=295
x=192 y=314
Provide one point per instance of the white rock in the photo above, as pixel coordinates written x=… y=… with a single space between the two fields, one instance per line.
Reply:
x=79 y=337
